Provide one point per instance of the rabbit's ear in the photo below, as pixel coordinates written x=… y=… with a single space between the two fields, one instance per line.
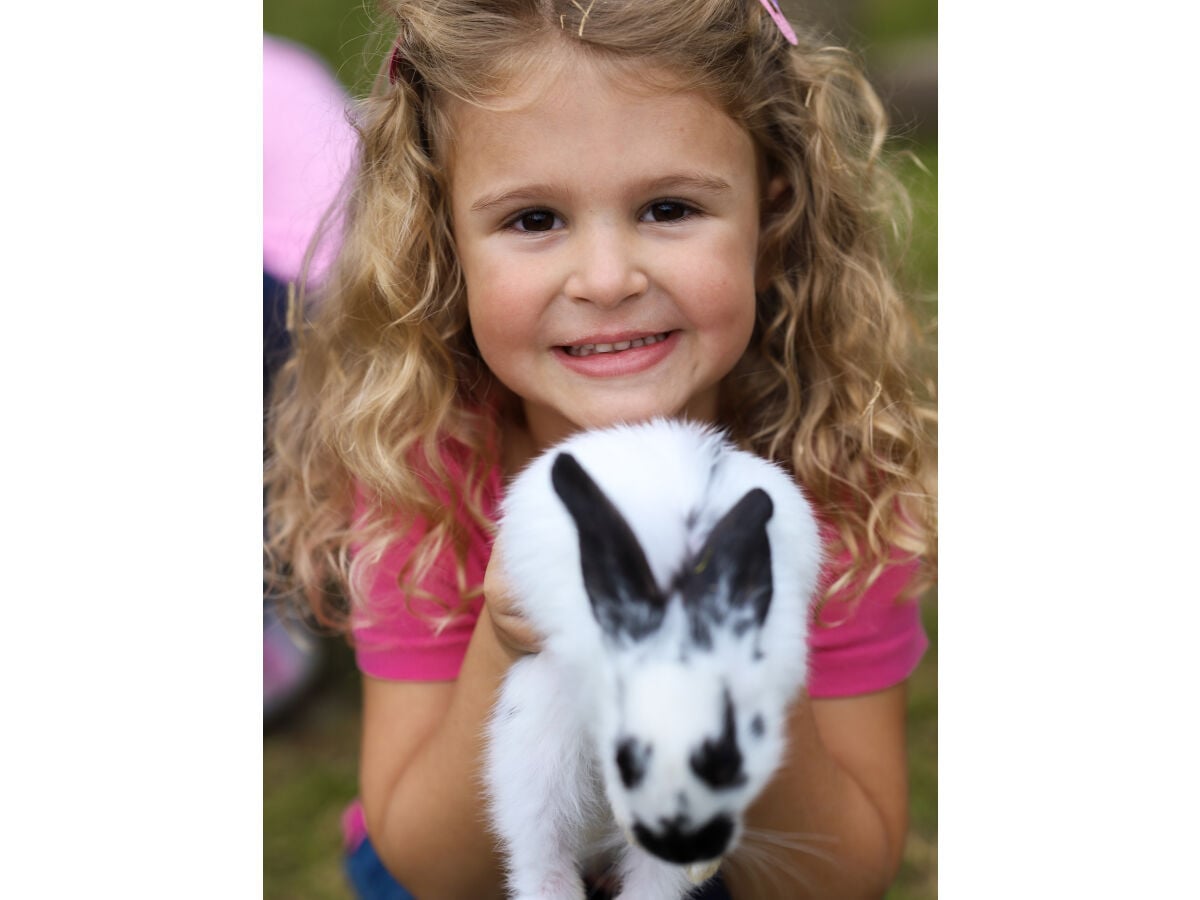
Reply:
x=625 y=599
x=732 y=572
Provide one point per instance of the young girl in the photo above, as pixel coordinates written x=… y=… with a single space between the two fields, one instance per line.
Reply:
x=570 y=213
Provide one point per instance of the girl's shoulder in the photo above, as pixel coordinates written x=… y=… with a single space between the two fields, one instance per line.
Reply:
x=866 y=641
x=421 y=634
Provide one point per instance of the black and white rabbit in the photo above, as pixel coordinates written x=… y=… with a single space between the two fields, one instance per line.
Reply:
x=670 y=575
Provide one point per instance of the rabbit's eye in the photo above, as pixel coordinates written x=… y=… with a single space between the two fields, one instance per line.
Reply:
x=632 y=760
x=719 y=764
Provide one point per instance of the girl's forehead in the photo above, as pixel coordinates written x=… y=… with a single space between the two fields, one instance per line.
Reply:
x=535 y=74
x=582 y=133
x=555 y=89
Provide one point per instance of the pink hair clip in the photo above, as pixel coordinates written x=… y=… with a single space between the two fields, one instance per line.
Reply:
x=773 y=10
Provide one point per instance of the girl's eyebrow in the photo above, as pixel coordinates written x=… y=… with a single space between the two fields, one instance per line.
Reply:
x=526 y=193
x=687 y=182
x=682 y=182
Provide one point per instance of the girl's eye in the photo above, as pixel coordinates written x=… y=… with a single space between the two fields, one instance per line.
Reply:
x=535 y=220
x=667 y=211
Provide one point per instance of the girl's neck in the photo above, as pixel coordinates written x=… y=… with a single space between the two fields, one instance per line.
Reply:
x=517 y=447
x=522 y=440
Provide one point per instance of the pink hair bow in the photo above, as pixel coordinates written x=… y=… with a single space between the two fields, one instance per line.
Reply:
x=773 y=10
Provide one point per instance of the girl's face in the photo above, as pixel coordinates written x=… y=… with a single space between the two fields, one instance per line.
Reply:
x=609 y=239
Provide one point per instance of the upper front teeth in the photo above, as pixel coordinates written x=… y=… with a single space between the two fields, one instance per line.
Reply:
x=589 y=349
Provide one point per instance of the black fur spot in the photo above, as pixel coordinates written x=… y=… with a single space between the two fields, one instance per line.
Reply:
x=757 y=726
x=632 y=760
x=718 y=763
x=675 y=841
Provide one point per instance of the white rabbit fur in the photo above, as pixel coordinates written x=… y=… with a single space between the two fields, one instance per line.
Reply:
x=707 y=679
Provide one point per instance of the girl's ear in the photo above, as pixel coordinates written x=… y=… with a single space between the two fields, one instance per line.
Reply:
x=776 y=195
x=625 y=599
x=776 y=188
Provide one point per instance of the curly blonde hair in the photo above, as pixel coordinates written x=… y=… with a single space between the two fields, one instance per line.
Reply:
x=386 y=375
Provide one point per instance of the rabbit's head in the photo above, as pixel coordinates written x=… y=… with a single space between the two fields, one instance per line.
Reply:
x=696 y=693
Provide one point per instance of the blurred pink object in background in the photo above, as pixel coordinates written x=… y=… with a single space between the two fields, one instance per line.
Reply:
x=308 y=148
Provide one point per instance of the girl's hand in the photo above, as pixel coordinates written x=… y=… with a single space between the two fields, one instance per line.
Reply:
x=513 y=630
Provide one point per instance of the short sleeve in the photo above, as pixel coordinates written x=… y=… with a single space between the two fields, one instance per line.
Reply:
x=869 y=645
x=400 y=636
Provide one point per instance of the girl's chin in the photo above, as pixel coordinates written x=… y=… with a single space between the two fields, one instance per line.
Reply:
x=548 y=429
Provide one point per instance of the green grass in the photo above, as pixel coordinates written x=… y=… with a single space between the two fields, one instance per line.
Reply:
x=917 y=879
x=310 y=772
x=884 y=21
x=919 y=174
x=340 y=31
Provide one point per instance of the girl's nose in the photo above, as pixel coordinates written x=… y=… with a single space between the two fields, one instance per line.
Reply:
x=606 y=267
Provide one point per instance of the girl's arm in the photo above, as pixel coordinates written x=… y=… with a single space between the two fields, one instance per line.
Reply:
x=421 y=773
x=832 y=822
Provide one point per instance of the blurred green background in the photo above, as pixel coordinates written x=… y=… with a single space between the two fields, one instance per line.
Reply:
x=310 y=758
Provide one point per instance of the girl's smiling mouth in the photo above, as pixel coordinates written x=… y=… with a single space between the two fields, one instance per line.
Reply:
x=607 y=356
x=589 y=349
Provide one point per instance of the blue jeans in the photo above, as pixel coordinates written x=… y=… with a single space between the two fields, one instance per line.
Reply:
x=369 y=878
x=371 y=881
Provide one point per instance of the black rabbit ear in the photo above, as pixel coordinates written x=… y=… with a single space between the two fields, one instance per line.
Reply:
x=625 y=599
x=731 y=575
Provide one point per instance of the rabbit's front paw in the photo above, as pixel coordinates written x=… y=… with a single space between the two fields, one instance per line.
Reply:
x=648 y=878
x=551 y=886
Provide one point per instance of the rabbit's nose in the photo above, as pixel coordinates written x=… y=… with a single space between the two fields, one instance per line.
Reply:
x=677 y=841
